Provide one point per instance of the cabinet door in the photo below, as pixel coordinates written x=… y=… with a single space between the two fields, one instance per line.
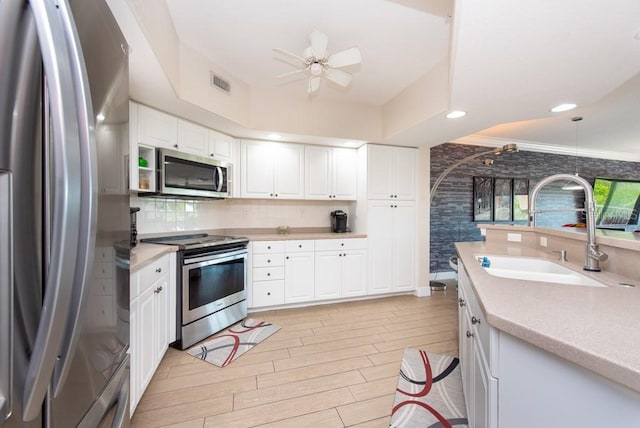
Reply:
x=147 y=332
x=299 y=277
x=161 y=311
x=220 y=146
x=354 y=273
x=404 y=170
x=257 y=169
x=328 y=275
x=317 y=173
x=480 y=390
x=344 y=173
x=404 y=218
x=289 y=171
x=380 y=237
x=156 y=128
x=380 y=172
x=192 y=138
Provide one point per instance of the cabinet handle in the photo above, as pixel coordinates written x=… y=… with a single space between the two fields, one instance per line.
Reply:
x=300 y=246
x=158 y=270
x=211 y=154
x=269 y=247
x=345 y=254
x=475 y=320
x=268 y=273
x=268 y=293
x=462 y=302
x=271 y=194
x=287 y=257
x=469 y=334
x=390 y=206
x=395 y=206
x=175 y=146
x=268 y=261
x=339 y=255
x=276 y=195
x=158 y=290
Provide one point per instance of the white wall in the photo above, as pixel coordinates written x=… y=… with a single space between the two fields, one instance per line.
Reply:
x=173 y=215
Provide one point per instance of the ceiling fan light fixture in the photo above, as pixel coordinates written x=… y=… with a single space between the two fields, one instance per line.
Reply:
x=563 y=107
x=456 y=114
x=316 y=69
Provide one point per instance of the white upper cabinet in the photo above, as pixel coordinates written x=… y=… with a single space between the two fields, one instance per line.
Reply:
x=272 y=170
x=391 y=172
x=330 y=173
x=156 y=128
x=220 y=146
x=192 y=138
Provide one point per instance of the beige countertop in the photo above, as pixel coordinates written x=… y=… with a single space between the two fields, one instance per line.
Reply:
x=144 y=253
x=597 y=328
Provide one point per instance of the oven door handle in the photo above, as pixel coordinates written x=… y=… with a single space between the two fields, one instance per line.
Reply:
x=214 y=259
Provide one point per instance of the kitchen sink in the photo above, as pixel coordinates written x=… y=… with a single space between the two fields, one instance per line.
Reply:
x=531 y=269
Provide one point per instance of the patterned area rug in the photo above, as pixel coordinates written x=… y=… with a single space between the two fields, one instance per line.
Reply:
x=429 y=392
x=229 y=344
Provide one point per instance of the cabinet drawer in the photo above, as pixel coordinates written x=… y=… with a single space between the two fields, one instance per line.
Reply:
x=268 y=273
x=268 y=293
x=298 y=246
x=103 y=270
x=341 y=244
x=268 y=260
x=152 y=272
x=102 y=287
x=268 y=247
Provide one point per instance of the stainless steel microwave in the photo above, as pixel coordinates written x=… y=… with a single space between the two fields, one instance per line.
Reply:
x=185 y=175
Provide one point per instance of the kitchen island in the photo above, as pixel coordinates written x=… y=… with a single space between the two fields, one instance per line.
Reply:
x=550 y=354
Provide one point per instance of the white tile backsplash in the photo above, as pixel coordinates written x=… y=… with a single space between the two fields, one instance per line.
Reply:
x=173 y=215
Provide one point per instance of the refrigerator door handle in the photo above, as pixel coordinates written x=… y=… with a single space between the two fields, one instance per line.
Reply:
x=116 y=392
x=88 y=200
x=6 y=296
x=66 y=182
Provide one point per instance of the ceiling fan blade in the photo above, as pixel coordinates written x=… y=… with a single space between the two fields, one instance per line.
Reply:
x=338 y=77
x=290 y=55
x=314 y=84
x=319 y=43
x=289 y=73
x=345 y=58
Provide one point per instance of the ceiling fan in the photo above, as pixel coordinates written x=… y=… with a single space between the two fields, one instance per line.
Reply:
x=318 y=63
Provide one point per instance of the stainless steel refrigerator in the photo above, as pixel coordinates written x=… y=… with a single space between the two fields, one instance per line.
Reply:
x=64 y=220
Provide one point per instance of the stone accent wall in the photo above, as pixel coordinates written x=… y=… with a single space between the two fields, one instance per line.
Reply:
x=452 y=206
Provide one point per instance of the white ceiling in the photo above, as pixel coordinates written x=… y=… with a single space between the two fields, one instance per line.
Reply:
x=508 y=62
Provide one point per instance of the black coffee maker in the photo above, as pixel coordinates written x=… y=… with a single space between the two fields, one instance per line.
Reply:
x=134 y=231
x=339 y=221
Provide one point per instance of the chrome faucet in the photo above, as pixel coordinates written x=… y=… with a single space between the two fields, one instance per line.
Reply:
x=593 y=255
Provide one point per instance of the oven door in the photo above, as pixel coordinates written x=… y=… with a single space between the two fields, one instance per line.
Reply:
x=212 y=282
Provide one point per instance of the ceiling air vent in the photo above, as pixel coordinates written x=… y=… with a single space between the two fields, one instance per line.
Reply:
x=219 y=82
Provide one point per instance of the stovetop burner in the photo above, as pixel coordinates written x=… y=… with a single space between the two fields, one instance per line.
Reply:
x=197 y=240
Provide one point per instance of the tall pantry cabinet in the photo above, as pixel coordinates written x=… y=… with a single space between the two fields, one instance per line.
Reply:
x=390 y=216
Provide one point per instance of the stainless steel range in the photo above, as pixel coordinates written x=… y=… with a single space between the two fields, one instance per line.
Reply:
x=211 y=279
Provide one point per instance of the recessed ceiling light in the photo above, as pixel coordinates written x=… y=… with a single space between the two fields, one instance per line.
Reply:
x=456 y=114
x=274 y=136
x=100 y=117
x=563 y=107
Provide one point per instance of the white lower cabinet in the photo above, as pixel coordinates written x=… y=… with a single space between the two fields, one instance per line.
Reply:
x=391 y=235
x=508 y=382
x=302 y=271
x=298 y=271
x=341 y=268
x=150 y=321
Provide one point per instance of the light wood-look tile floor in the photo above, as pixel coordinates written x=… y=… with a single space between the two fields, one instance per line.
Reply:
x=329 y=366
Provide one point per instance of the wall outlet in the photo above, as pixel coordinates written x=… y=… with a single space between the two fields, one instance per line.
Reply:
x=543 y=241
x=514 y=237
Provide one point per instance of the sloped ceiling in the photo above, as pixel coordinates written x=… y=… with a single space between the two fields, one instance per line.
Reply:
x=506 y=63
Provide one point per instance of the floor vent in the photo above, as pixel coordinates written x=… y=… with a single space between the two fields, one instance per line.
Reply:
x=220 y=83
